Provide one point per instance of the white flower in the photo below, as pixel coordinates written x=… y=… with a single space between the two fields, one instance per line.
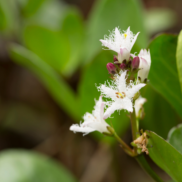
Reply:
x=144 y=66
x=121 y=43
x=120 y=93
x=138 y=106
x=94 y=121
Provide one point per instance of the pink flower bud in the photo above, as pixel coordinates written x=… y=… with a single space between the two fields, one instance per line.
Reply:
x=115 y=59
x=111 y=68
x=135 y=63
x=123 y=66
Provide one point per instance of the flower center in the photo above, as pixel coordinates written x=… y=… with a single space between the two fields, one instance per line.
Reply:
x=125 y=35
x=120 y=95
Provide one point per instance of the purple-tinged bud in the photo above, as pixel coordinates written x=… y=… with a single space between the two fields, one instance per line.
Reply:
x=123 y=66
x=135 y=63
x=111 y=68
x=115 y=59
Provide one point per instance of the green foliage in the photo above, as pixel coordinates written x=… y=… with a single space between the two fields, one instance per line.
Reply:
x=106 y=15
x=24 y=166
x=179 y=58
x=72 y=27
x=163 y=74
x=175 y=138
x=49 y=45
x=165 y=156
x=160 y=116
x=60 y=91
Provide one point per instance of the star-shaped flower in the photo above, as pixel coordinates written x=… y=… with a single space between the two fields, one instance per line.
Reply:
x=120 y=93
x=139 y=105
x=144 y=66
x=121 y=43
x=94 y=121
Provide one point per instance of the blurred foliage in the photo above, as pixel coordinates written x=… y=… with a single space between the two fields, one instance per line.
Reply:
x=24 y=166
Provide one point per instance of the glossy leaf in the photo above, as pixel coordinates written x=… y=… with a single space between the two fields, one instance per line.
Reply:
x=24 y=166
x=179 y=57
x=73 y=27
x=58 y=88
x=165 y=156
x=106 y=15
x=163 y=74
x=175 y=138
x=160 y=116
x=52 y=46
x=94 y=74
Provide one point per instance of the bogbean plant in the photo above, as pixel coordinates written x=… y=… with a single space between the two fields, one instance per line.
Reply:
x=128 y=74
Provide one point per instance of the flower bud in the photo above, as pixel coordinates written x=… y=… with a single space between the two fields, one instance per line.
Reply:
x=123 y=66
x=111 y=68
x=135 y=63
x=115 y=59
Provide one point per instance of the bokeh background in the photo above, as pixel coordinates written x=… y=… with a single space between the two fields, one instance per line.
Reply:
x=50 y=61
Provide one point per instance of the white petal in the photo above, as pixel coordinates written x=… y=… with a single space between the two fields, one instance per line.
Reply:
x=100 y=126
x=77 y=128
x=139 y=104
x=134 y=89
x=108 y=92
x=121 y=81
x=123 y=55
x=133 y=41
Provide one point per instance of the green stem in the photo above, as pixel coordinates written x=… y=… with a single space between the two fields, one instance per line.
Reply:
x=145 y=166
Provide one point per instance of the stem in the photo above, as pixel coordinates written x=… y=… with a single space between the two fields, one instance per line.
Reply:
x=125 y=147
x=145 y=166
x=134 y=124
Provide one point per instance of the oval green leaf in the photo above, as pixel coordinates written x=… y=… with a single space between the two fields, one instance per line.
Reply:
x=165 y=156
x=175 y=138
x=163 y=74
x=24 y=166
x=53 y=47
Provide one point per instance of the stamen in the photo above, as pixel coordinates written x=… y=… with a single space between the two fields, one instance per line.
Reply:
x=120 y=95
x=125 y=35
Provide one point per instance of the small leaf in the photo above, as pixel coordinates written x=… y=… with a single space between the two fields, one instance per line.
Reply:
x=165 y=156
x=52 y=46
x=175 y=137
x=179 y=57
x=106 y=15
x=57 y=87
x=25 y=166
x=163 y=74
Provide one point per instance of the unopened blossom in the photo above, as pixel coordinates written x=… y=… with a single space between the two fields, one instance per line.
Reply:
x=144 y=66
x=120 y=42
x=121 y=94
x=139 y=105
x=94 y=121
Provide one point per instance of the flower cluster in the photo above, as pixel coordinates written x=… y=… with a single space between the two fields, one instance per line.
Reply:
x=128 y=73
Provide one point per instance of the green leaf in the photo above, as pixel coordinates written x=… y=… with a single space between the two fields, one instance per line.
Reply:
x=158 y=113
x=175 y=138
x=32 y=6
x=57 y=87
x=24 y=166
x=165 y=156
x=73 y=27
x=53 y=47
x=94 y=74
x=163 y=74
x=106 y=15
x=159 y=19
x=179 y=58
